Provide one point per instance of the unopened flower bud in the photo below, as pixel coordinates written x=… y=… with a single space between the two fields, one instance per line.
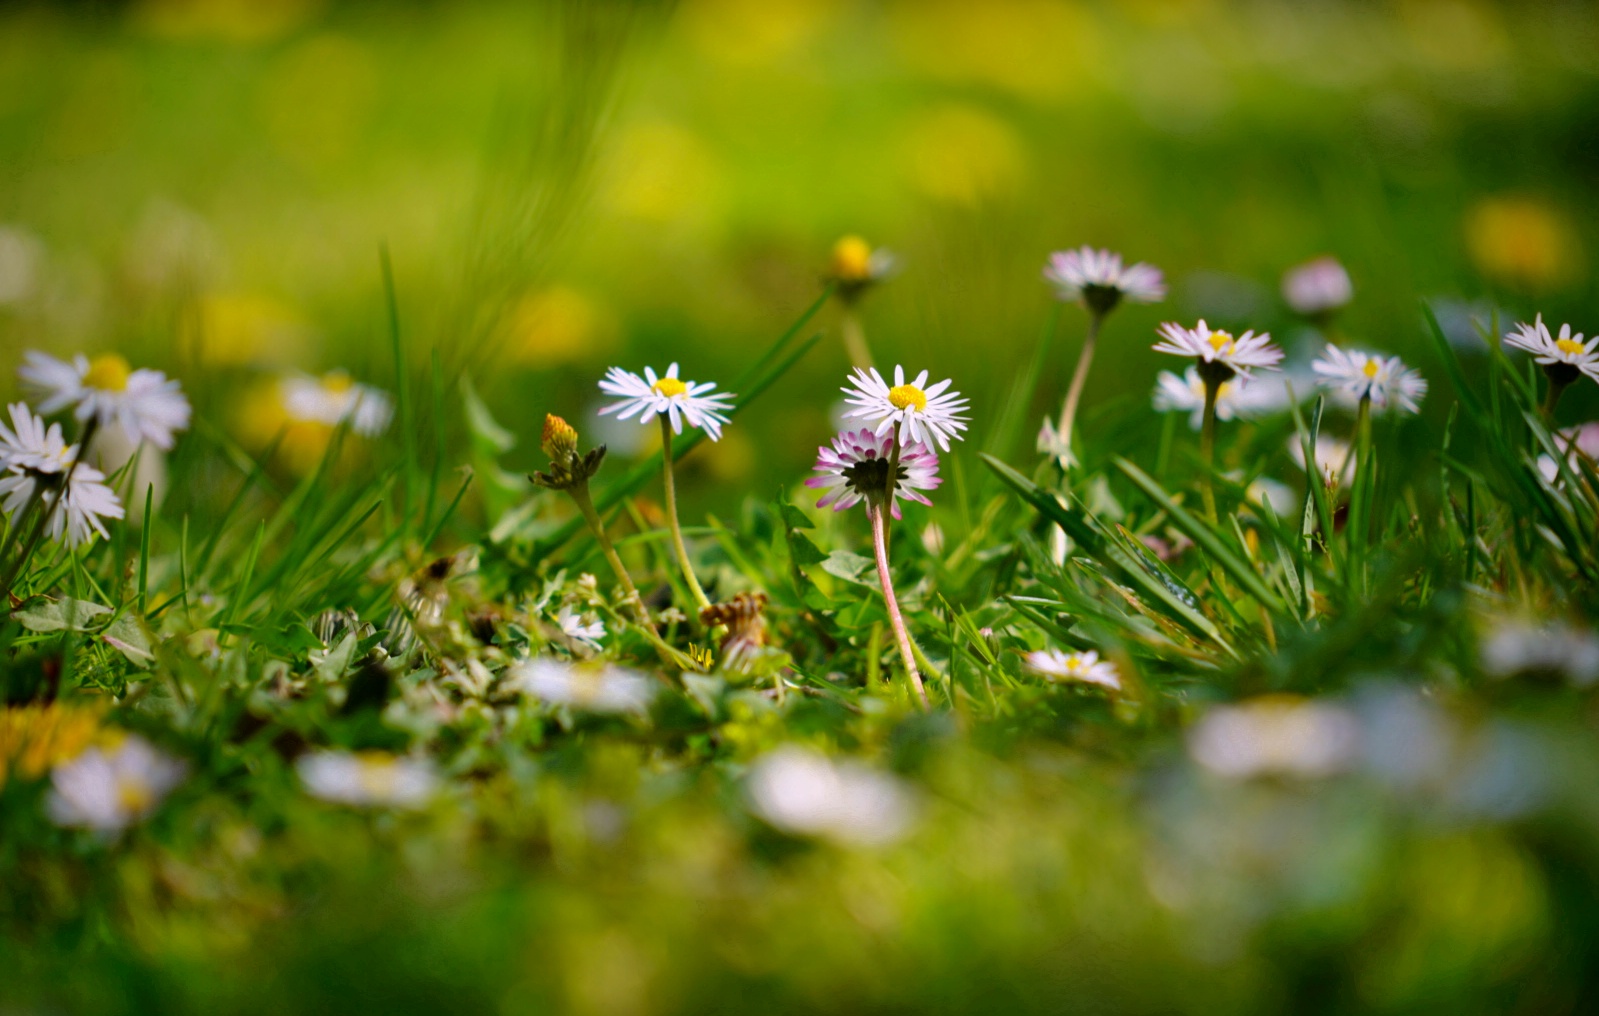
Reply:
x=560 y=439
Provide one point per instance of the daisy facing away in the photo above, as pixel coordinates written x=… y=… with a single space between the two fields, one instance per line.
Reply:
x=1382 y=382
x=1563 y=359
x=146 y=404
x=856 y=465
x=916 y=412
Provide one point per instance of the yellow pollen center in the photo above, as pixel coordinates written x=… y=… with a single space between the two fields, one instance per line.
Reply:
x=134 y=795
x=1371 y=368
x=1571 y=347
x=336 y=382
x=852 y=259
x=669 y=387
x=107 y=372
x=1219 y=341
x=908 y=396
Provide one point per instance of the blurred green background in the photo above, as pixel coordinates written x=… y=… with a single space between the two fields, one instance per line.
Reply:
x=206 y=184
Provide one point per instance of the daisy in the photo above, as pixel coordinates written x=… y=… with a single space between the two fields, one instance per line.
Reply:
x=1580 y=442
x=855 y=264
x=1335 y=459
x=144 y=403
x=1186 y=394
x=1317 y=288
x=649 y=396
x=602 y=689
x=112 y=785
x=1384 y=381
x=1219 y=352
x=1098 y=279
x=802 y=792
x=1558 y=649
x=1563 y=360
x=918 y=413
x=1086 y=667
x=368 y=778
x=855 y=469
x=333 y=399
x=36 y=460
x=575 y=628
x=1277 y=735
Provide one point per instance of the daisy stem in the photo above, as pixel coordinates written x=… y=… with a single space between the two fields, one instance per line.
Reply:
x=1552 y=399
x=854 y=336
x=585 y=504
x=1207 y=449
x=47 y=508
x=700 y=599
x=18 y=522
x=877 y=514
x=1085 y=359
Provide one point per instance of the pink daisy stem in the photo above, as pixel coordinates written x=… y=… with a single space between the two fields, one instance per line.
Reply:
x=879 y=519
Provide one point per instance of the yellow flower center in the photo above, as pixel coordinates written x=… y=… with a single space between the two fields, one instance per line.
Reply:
x=908 y=396
x=1371 y=368
x=336 y=382
x=852 y=259
x=134 y=795
x=108 y=372
x=1220 y=341
x=1571 y=347
x=670 y=387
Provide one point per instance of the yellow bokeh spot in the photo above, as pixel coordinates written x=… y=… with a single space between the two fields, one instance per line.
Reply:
x=337 y=382
x=908 y=397
x=1523 y=242
x=754 y=33
x=1039 y=49
x=234 y=329
x=963 y=155
x=36 y=738
x=557 y=326
x=108 y=372
x=669 y=387
x=229 y=20
x=852 y=259
x=664 y=174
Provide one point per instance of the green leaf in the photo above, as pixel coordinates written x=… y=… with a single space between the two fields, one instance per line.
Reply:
x=127 y=636
x=850 y=567
x=60 y=615
x=803 y=550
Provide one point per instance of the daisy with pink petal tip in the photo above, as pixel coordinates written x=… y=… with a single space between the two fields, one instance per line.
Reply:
x=855 y=467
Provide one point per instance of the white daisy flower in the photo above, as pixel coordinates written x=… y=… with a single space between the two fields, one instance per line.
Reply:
x=1086 y=667
x=33 y=459
x=1098 y=278
x=368 y=778
x=1580 y=442
x=1522 y=647
x=650 y=396
x=601 y=689
x=1275 y=736
x=1384 y=380
x=334 y=398
x=802 y=792
x=856 y=467
x=1317 y=287
x=922 y=414
x=1186 y=394
x=1335 y=459
x=575 y=628
x=146 y=404
x=1211 y=346
x=112 y=785
x=1568 y=349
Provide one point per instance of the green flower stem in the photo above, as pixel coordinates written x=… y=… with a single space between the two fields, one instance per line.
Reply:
x=1207 y=449
x=1074 y=394
x=877 y=513
x=1552 y=399
x=854 y=336
x=585 y=504
x=678 y=547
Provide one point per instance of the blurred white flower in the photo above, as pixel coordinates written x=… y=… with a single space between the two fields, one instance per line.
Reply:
x=1212 y=346
x=1279 y=497
x=112 y=785
x=1275 y=736
x=650 y=396
x=334 y=398
x=1385 y=380
x=146 y=404
x=922 y=413
x=1581 y=442
x=1186 y=394
x=21 y=260
x=1085 y=666
x=575 y=628
x=368 y=778
x=1335 y=459
x=1317 y=287
x=802 y=792
x=1098 y=278
x=1521 y=647
x=596 y=689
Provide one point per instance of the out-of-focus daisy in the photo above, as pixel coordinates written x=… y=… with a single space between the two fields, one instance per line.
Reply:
x=855 y=469
x=574 y=627
x=1559 y=649
x=1100 y=281
x=802 y=792
x=371 y=779
x=1216 y=349
x=1383 y=380
x=1275 y=736
x=650 y=396
x=1335 y=459
x=335 y=398
x=1580 y=442
x=36 y=461
x=596 y=689
x=146 y=404
x=112 y=785
x=1085 y=667
x=920 y=413
x=855 y=264
x=1317 y=288
x=1269 y=494
x=1186 y=394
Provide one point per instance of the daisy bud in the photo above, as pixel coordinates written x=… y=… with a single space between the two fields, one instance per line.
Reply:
x=568 y=468
x=560 y=439
x=855 y=266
